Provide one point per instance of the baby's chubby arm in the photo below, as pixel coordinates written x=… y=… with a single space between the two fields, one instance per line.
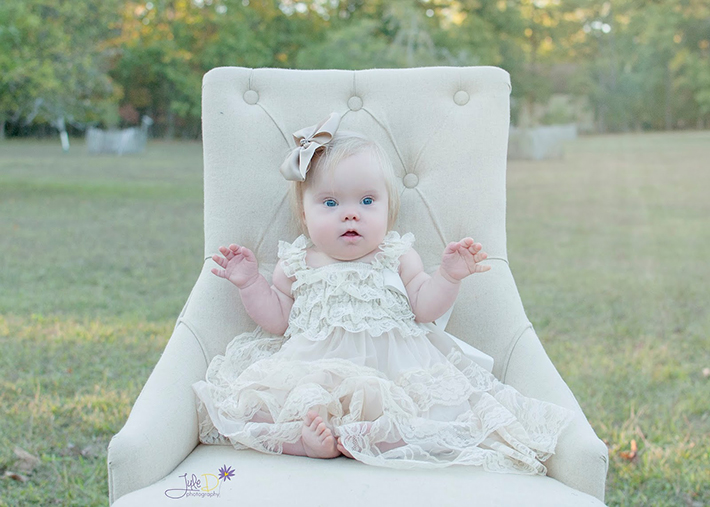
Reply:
x=432 y=295
x=268 y=305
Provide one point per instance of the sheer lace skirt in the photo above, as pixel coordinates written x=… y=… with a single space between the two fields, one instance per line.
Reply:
x=441 y=410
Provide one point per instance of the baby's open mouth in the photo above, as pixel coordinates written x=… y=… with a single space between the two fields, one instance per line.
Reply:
x=351 y=234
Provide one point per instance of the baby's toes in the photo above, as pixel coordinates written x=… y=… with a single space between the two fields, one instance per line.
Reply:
x=316 y=424
x=343 y=450
x=327 y=437
x=311 y=417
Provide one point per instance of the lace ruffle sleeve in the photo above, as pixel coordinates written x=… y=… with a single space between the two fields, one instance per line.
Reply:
x=293 y=255
x=393 y=246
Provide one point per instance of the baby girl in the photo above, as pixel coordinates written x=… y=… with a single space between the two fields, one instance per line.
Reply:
x=341 y=361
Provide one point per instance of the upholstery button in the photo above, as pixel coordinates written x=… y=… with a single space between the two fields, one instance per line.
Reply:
x=461 y=97
x=410 y=180
x=251 y=97
x=354 y=103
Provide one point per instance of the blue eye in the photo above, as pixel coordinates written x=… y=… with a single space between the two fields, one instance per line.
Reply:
x=367 y=201
x=330 y=203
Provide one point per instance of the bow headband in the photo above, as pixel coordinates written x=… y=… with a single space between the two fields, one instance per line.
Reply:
x=309 y=140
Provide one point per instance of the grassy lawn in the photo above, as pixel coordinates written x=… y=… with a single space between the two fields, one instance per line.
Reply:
x=97 y=257
x=608 y=246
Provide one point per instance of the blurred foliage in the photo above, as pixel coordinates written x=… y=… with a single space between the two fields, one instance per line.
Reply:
x=642 y=64
x=53 y=63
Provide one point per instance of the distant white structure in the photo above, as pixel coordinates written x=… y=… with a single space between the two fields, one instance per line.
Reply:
x=131 y=140
x=63 y=136
x=539 y=143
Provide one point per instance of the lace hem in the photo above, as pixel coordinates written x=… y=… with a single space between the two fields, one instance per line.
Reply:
x=337 y=274
x=243 y=351
x=354 y=308
x=375 y=330
x=498 y=429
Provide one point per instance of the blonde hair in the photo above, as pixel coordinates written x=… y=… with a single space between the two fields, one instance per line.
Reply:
x=343 y=145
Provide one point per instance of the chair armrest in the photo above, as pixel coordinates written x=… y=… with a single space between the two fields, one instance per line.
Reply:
x=581 y=458
x=161 y=429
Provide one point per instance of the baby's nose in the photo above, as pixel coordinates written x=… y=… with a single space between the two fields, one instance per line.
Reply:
x=351 y=214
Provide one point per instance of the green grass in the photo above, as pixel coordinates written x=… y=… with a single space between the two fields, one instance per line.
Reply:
x=97 y=257
x=99 y=236
x=67 y=387
x=608 y=247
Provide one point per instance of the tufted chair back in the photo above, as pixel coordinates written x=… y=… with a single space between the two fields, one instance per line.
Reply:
x=446 y=132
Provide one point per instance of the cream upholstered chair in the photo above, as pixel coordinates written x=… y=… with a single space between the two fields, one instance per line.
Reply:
x=446 y=130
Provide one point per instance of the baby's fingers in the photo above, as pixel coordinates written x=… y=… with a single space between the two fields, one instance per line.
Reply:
x=241 y=250
x=466 y=243
x=452 y=247
x=219 y=272
x=480 y=256
x=474 y=247
x=248 y=254
x=220 y=260
x=227 y=252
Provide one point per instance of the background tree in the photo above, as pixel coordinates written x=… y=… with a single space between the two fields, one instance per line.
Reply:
x=53 y=65
x=166 y=46
x=641 y=64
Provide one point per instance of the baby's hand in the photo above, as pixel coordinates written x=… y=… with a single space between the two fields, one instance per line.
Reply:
x=462 y=258
x=239 y=263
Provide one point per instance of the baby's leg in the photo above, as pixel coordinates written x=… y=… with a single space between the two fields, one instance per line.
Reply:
x=382 y=446
x=262 y=417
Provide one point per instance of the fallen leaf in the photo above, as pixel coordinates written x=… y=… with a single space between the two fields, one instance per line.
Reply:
x=629 y=455
x=16 y=476
x=26 y=462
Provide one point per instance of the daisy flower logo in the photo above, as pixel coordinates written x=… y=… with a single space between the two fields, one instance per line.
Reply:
x=226 y=473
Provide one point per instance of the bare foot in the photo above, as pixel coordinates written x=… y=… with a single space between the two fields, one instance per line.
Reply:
x=343 y=450
x=367 y=425
x=317 y=439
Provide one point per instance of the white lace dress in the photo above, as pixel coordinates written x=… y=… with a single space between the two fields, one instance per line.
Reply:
x=353 y=352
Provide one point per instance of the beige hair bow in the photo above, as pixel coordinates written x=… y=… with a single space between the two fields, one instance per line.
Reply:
x=309 y=140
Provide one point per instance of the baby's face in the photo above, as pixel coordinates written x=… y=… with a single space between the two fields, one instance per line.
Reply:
x=346 y=211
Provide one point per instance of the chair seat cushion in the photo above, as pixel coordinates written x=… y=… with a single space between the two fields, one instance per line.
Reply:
x=266 y=480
